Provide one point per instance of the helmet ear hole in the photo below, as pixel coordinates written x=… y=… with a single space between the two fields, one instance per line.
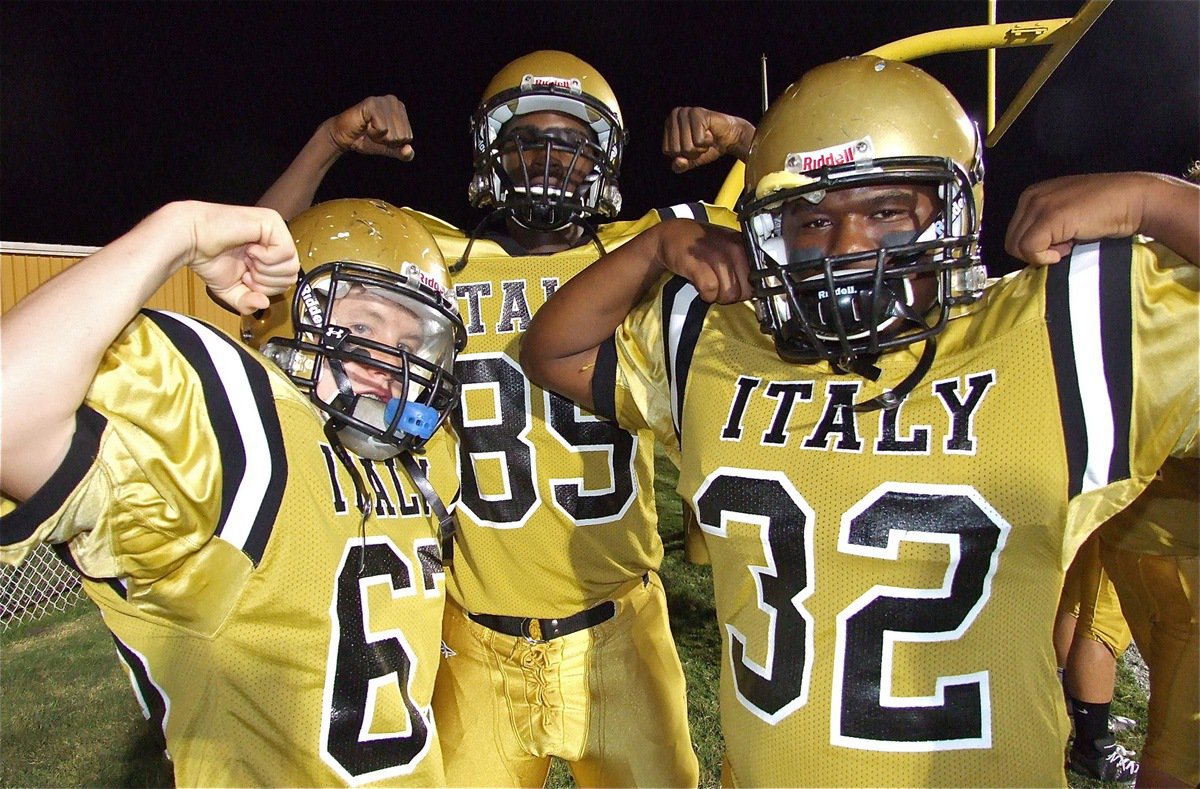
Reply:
x=768 y=229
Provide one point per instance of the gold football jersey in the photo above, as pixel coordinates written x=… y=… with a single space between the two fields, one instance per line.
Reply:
x=886 y=581
x=275 y=641
x=557 y=509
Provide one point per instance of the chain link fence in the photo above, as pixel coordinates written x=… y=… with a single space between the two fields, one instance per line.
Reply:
x=38 y=586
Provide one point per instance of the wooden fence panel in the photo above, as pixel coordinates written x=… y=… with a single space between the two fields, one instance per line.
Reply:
x=21 y=272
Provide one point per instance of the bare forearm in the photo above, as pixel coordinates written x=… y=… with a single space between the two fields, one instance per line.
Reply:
x=559 y=349
x=1172 y=215
x=1054 y=214
x=53 y=341
x=295 y=189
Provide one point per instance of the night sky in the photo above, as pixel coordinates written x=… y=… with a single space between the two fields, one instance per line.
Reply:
x=111 y=109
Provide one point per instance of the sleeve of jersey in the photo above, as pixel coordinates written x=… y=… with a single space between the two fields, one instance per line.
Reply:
x=615 y=234
x=1123 y=318
x=1166 y=336
x=171 y=447
x=641 y=372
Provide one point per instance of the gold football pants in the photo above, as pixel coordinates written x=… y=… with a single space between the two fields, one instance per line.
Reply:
x=608 y=699
x=1089 y=595
x=1161 y=598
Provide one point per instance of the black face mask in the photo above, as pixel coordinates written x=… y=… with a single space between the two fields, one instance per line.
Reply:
x=555 y=166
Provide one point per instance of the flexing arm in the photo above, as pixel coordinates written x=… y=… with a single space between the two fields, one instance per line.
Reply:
x=53 y=340
x=377 y=126
x=558 y=352
x=694 y=137
x=1051 y=215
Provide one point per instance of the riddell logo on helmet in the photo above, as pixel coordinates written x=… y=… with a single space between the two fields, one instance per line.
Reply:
x=413 y=271
x=854 y=152
x=530 y=81
x=311 y=303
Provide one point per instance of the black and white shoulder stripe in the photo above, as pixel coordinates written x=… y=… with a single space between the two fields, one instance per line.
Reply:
x=1090 y=322
x=683 y=314
x=246 y=425
x=695 y=211
x=604 y=374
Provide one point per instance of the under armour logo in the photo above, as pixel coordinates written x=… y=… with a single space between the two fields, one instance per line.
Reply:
x=335 y=336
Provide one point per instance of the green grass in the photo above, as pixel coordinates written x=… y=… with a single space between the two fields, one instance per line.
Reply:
x=694 y=625
x=68 y=716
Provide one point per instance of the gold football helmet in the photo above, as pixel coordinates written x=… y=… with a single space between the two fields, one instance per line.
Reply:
x=862 y=121
x=587 y=165
x=371 y=329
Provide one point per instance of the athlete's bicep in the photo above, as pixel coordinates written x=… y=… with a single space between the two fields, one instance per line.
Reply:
x=569 y=376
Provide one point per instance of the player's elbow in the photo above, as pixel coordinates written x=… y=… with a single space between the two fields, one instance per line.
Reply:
x=535 y=361
x=569 y=376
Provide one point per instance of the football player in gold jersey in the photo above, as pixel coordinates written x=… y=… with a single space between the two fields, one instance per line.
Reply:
x=891 y=482
x=276 y=602
x=557 y=639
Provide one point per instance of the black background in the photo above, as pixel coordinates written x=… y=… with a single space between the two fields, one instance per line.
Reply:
x=111 y=109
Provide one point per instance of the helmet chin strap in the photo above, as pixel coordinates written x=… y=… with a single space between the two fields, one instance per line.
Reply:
x=447 y=525
x=895 y=396
x=346 y=391
x=363 y=498
x=491 y=218
x=542 y=218
x=346 y=400
x=365 y=501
